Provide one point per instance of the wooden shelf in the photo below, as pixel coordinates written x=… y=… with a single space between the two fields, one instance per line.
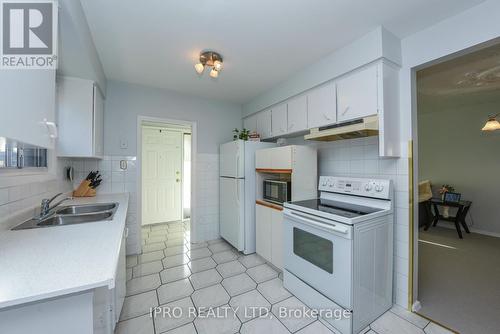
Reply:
x=269 y=205
x=273 y=171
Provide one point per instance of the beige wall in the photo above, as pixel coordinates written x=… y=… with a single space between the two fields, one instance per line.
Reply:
x=453 y=150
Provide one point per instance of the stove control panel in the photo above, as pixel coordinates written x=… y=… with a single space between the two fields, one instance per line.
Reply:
x=376 y=188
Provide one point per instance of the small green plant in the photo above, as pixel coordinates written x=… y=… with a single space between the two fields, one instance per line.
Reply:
x=243 y=134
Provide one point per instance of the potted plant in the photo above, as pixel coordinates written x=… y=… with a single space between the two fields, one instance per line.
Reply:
x=243 y=134
x=442 y=191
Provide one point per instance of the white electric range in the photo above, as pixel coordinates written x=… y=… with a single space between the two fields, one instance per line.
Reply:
x=339 y=250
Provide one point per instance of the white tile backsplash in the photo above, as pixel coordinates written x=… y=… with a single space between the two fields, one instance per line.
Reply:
x=115 y=180
x=22 y=192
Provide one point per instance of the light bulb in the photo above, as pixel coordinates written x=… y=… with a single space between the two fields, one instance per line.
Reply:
x=214 y=73
x=199 y=68
x=218 y=65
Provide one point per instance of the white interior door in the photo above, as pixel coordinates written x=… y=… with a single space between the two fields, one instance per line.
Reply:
x=161 y=175
x=232 y=211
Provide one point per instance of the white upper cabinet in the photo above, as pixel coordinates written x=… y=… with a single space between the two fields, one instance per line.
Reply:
x=297 y=114
x=80 y=118
x=279 y=120
x=27 y=106
x=357 y=95
x=264 y=120
x=250 y=123
x=322 y=106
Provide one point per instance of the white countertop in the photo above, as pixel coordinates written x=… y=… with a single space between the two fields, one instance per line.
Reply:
x=48 y=262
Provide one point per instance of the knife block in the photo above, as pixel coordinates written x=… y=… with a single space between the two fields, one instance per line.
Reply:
x=84 y=190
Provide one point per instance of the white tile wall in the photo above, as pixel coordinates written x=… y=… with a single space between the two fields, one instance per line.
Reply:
x=359 y=158
x=115 y=180
x=22 y=192
x=207 y=197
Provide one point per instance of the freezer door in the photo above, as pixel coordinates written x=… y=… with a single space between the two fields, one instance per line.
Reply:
x=232 y=159
x=232 y=211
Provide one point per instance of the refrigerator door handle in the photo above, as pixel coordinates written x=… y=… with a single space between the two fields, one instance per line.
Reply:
x=237 y=192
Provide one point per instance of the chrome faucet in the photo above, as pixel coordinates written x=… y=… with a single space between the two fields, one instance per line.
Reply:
x=45 y=206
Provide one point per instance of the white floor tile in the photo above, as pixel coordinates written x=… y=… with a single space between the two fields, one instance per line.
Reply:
x=155 y=239
x=389 y=323
x=175 y=260
x=262 y=273
x=205 y=278
x=147 y=269
x=137 y=305
x=129 y=274
x=238 y=284
x=131 y=261
x=197 y=245
x=199 y=253
x=153 y=247
x=409 y=316
x=201 y=264
x=229 y=269
x=143 y=284
x=175 y=273
x=433 y=328
x=250 y=305
x=263 y=325
x=211 y=296
x=292 y=322
x=315 y=328
x=165 y=322
x=251 y=260
x=186 y=329
x=175 y=242
x=226 y=324
x=273 y=290
x=220 y=247
x=169 y=251
x=150 y=257
x=225 y=256
x=174 y=291
x=139 y=325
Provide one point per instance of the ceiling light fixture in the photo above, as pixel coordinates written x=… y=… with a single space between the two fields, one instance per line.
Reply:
x=492 y=124
x=209 y=59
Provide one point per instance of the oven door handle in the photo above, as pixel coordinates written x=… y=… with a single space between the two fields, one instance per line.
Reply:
x=319 y=224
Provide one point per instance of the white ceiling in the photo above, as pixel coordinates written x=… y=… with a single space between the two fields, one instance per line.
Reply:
x=263 y=42
x=472 y=78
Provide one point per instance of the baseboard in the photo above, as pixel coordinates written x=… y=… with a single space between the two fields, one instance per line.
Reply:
x=472 y=229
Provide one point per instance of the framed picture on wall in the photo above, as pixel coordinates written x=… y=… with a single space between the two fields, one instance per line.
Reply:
x=450 y=197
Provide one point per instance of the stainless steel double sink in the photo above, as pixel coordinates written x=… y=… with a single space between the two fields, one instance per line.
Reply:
x=72 y=214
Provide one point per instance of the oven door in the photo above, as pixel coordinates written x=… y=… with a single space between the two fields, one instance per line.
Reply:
x=319 y=252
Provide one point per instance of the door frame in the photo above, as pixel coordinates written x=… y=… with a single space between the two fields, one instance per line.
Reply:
x=413 y=171
x=167 y=121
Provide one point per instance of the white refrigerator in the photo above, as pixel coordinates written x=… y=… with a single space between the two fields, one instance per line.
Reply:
x=237 y=193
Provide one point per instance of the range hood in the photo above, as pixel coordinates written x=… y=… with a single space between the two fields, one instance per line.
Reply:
x=364 y=127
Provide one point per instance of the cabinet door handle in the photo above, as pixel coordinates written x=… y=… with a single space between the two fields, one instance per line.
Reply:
x=327 y=117
x=51 y=127
x=291 y=126
x=346 y=110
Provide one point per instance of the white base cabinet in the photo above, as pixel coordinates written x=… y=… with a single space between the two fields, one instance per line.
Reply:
x=269 y=234
x=80 y=108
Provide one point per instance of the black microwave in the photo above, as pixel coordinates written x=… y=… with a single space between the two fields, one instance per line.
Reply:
x=277 y=191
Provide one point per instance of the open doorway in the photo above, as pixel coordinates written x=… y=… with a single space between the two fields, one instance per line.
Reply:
x=459 y=199
x=166 y=170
